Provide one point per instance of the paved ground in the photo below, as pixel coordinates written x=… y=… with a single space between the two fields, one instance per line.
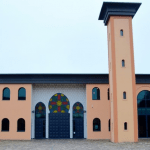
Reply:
x=72 y=145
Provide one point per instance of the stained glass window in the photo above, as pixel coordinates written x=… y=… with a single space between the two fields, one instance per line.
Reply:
x=78 y=110
x=59 y=103
x=40 y=110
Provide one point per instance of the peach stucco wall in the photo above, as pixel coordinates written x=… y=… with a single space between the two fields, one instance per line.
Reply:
x=98 y=109
x=14 y=109
x=141 y=87
x=122 y=79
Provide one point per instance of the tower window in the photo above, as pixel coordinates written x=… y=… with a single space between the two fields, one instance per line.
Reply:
x=121 y=32
x=108 y=94
x=124 y=95
x=123 y=63
x=109 y=125
x=125 y=126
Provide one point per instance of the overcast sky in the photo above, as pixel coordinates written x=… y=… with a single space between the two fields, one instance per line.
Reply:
x=63 y=36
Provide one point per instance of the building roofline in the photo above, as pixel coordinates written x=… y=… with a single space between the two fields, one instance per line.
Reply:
x=64 y=79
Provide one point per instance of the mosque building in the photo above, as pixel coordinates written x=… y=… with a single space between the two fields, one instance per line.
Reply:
x=90 y=106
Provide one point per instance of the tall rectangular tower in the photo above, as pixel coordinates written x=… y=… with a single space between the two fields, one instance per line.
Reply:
x=118 y=18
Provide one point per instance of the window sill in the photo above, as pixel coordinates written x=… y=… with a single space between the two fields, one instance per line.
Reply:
x=96 y=99
x=20 y=131
x=5 y=99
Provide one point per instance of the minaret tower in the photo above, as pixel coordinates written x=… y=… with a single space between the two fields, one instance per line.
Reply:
x=118 y=18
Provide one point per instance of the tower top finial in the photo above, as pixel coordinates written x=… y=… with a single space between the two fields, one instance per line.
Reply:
x=117 y=9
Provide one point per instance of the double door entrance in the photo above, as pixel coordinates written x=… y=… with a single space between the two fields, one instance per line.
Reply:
x=59 y=123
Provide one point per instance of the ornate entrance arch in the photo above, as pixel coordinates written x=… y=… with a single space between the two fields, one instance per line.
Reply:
x=59 y=117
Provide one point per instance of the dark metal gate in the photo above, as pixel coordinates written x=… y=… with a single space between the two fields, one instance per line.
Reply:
x=59 y=125
x=78 y=128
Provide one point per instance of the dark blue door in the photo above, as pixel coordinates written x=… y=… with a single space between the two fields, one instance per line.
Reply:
x=78 y=128
x=40 y=120
x=59 y=125
x=78 y=120
x=40 y=128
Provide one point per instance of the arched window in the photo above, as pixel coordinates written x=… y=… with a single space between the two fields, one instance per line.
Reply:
x=96 y=124
x=125 y=126
x=6 y=94
x=21 y=125
x=124 y=95
x=108 y=94
x=121 y=32
x=123 y=63
x=5 y=124
x=96 y=93
x=143 y=101
x=22 y=94
x=109 y=125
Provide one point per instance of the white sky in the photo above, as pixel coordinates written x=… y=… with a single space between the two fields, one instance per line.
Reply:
x=63 y=36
